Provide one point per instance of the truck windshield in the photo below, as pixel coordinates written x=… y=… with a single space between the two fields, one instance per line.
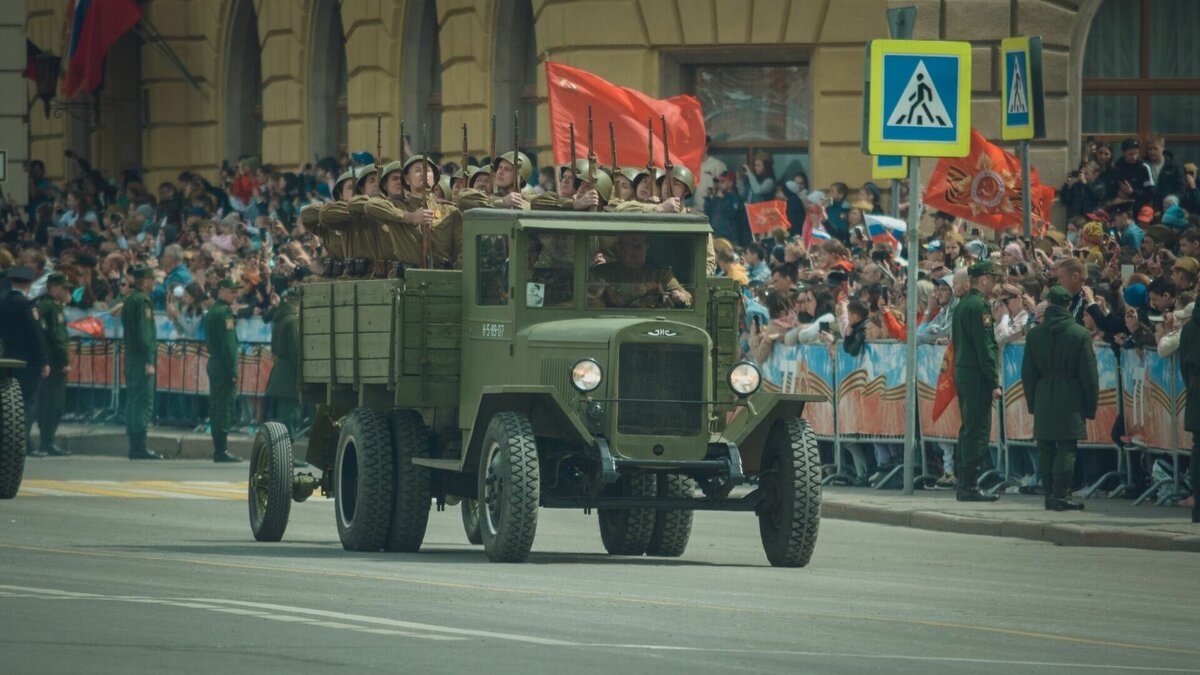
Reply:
x=641 y=271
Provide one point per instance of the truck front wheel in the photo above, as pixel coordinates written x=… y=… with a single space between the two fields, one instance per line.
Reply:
x=364 y=476
x=791 y=480
x=12 y=437
x=509 y=488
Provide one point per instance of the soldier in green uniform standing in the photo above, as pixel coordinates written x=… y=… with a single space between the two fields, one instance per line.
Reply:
x=141 y=352
x=283 y=389
x=976 y=375
x=1189 y=364
x=52 y=398
x=220 y=335
x=1061 y=390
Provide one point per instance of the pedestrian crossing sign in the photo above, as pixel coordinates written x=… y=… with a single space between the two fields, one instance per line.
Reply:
x=919 y=93
x=1021 y=93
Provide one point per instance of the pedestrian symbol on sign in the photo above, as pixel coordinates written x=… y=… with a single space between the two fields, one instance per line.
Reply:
x=919 y=105
x=1017 y=104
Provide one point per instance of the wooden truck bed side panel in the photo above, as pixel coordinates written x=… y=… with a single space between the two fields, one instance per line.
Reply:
x=428 y=353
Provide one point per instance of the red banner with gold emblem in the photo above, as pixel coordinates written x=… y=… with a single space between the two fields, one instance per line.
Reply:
x=766 y=216
x=985 y=188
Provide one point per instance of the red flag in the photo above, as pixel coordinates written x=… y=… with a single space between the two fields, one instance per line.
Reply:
x=985 y=187
x=766 y=216
x=946 y=391
x=88 y=325
x=571 y=90
x=94 y=26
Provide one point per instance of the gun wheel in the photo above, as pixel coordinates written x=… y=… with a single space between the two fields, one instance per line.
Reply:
x=470 y=518
x=12 y=438
x=270 y=491
x=791 y=478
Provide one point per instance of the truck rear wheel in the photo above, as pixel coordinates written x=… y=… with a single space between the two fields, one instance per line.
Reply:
x=12 y=438
x=509 y=488
x=470 y=518
x=672 y=529
x=364 y=476
x=791 y=478
x=410 y=512
x=270 y=491
x=628 y=531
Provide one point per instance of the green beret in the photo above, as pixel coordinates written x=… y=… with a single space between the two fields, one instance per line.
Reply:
x=141 y=272
x=226 y=283
x=982 y=268
x=1058 y=296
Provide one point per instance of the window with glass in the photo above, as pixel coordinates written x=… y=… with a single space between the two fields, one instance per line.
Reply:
x=491 y=251
x=643 y=271
x=752 y=111
x=549 y=270
x=1141 y=74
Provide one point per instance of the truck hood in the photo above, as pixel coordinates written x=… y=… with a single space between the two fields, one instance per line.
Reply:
x=602 y=330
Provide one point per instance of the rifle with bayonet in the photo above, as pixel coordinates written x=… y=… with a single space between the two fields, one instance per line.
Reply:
x=650 y=168
x=592 y=158
x=516 y=180
x=492 y=154
x=466 y=154
x=667 y=165
x=612 y=145
x=571 y=164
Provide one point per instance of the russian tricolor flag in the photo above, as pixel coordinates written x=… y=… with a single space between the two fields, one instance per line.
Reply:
x=94 y=26
x=885 y=229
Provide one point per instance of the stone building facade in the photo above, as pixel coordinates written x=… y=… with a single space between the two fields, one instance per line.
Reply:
x=290 y=80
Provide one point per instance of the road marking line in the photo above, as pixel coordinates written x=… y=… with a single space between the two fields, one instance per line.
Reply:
x=88 y=489
x=726 y=609
x=130 y=489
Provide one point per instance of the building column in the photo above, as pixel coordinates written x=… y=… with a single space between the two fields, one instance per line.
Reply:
x=14 y=127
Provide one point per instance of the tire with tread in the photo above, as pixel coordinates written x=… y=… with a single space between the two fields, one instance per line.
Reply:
x=628 y=531
x=270 y=491
x=470 y=518
x=364 y=476
x=509 y=488
x=791 y=474
x=672 y=529
x=410 y=510
x=12 y=437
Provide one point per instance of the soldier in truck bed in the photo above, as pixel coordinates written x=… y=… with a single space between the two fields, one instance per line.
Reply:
x=508 y=197
x=419 y=219
x=328 y=221
x=629 y=282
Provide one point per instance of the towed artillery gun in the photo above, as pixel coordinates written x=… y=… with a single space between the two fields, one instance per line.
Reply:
x=535 y=378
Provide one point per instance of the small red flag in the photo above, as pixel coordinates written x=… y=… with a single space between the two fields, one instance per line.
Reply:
x=570 y=91
x=88 y=325
x=766 y=216
x=985 y=187
x=946 y=391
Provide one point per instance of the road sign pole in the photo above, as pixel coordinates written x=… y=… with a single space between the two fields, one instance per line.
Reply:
x=900 y=27
x=1026 y=198
x=910 y=321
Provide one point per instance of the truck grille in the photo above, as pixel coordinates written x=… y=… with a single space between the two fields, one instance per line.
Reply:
x=654 y=374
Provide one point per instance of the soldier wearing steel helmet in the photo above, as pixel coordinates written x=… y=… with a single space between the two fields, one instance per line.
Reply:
x=329 y=221
x=511 y=195
x=587 y=195
x=420 y=220
x=676 y=187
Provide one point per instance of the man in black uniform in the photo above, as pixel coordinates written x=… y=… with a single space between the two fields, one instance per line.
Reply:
x=22 y=337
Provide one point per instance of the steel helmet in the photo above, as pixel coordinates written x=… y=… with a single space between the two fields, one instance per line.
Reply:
x=526 y=165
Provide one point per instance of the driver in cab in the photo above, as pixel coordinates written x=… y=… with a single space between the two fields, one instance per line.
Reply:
x=629 y=282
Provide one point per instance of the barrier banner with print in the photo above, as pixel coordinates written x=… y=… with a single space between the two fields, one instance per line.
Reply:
x=1151 y=388
x=804 y=369
x=946 y=426
x=1018 y=422
x=252 y=330
x=870 y=391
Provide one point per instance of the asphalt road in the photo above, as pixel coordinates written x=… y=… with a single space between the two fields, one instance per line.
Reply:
x=157 y=572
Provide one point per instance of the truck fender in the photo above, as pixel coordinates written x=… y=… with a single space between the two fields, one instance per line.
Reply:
x=750 y=424
x=542 y=405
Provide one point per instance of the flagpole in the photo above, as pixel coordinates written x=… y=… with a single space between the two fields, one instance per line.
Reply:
x=1026 y=198
x=910 y=322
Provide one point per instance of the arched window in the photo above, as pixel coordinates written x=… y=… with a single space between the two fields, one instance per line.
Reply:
x=515 y=67
x=243 y=84
x=329 y=122
x=1141 y=73
x=422 y=77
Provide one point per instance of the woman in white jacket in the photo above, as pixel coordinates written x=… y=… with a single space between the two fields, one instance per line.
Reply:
x=813 y=308
x=1172 y=325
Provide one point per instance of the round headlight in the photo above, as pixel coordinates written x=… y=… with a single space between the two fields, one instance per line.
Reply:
x=586 y=375
x=744 y=378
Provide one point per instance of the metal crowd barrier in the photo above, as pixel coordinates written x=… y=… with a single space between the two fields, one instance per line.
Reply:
x=96 y=383
x=867 y=404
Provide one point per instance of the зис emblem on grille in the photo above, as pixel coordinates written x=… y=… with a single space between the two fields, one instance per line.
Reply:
x=662 y=332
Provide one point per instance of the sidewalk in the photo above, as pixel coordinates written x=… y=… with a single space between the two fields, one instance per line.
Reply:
x=1113 y=523
x=170 y=442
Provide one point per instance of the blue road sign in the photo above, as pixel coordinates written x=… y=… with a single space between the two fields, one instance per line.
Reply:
x=920 y=98
x=1021 y=90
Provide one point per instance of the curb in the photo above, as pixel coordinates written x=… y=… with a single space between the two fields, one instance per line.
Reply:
x=112 y=442
x=1053 y=533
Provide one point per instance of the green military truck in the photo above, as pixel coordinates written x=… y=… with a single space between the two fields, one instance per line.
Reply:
x=12 y=429
x=578 y=360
